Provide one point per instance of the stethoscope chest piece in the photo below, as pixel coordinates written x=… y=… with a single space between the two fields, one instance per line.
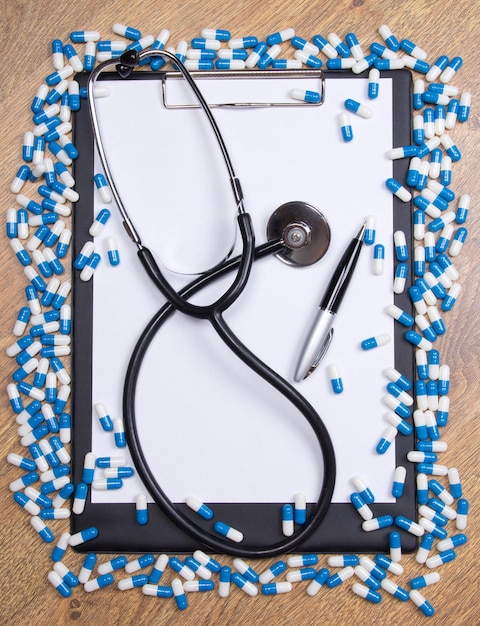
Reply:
x=304 y=231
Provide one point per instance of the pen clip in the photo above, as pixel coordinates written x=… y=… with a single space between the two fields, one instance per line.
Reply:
x=323 y=350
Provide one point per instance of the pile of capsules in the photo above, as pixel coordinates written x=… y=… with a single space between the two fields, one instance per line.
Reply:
x=43 y=326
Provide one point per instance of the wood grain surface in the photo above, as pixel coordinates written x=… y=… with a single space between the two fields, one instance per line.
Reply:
x=448 y=27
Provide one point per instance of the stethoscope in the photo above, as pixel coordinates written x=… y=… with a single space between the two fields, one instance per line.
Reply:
x=298 y=234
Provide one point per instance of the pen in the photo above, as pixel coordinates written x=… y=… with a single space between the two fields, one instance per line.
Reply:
x=320 y=334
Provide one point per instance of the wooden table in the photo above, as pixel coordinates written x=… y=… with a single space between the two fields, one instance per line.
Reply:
x=448 y=27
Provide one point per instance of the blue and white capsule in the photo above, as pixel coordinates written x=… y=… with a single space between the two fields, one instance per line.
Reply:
x=99 y=223
x=375 y=342
x=451 y=69
x=267 y=58
x=383 y=521
x=206 y=560
x=378 y=263
x=127 y=31
x=388 y=436
x=300 y=508
x=363 y=490
x=306 y=95
x=199 y=507
x=354 y=46
x=335 y=379
x=103 y=188
x=288 y=526
x=339 y=577
x=228 y=531
x=345 y=127
x=317 y=583
x=464 y=108
x=256 y=54
x=462 y=514
x=398 y=190
x=272 y=572
x=462 y=209
x=98 y=583
x=362 y=507
x=245 y=585
x=373 y=83
x=243 y=42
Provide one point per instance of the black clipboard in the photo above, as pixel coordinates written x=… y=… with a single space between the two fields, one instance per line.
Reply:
x=260 y=522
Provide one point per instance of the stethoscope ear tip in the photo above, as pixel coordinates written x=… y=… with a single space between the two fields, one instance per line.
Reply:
x=304 y=231
x=127 y=63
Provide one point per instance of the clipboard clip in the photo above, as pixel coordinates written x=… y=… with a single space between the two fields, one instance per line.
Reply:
x=317 y=75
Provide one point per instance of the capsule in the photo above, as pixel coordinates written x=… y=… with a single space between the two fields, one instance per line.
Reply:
x=440 y=559
x=90 y=267
x=243 y=42
x=255 y=56
x=317 y=583
x=454 y=482
x=450 y=148
x=246 y=570
x=83 y=536
x=21 y=461
x=441 y=493
x=373 y=83
x=158 y=569
x=464 y=107
x=354 y=46
x=388 y=436
x=433 y=516
x=267 y=58
x=398 y=190
x=458 y=241
x=199 y=507
x=337 y=64
x=103 y=417
x=200 y=570
x=462 y=514
x=110 y=461
x=340 y=577
x=100 y=220
x=272 y=572
x=12 y=224
x=377 y=522
x=245 y=585
x=287 y=520
x=362 y=507
x=300 y=508
x=345 y=127
x=305 y=95
x=137 y=564
x=356 y=107
x=401 y=316
x=65 y=319
x=364 y=491
x=227 y=531
x=398 y=485
x=400 y=424
x=462 y=209
x=335 y=379
x=119 y=433
x=98 y=583
x=43 y=531
x=104 y=484
x=378 y=259
x=375 y=341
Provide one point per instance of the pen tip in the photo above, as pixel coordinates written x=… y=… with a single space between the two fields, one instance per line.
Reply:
x=361 y=232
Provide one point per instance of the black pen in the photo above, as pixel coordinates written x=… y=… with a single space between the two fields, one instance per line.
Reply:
x=321 y=332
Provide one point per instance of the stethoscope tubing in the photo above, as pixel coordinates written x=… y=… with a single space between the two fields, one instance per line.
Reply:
x=207 y=539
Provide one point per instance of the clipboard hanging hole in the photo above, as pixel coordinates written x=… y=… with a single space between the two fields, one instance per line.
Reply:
x=304 y=231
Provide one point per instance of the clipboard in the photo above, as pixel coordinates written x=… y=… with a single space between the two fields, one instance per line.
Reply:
x=276 y=162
